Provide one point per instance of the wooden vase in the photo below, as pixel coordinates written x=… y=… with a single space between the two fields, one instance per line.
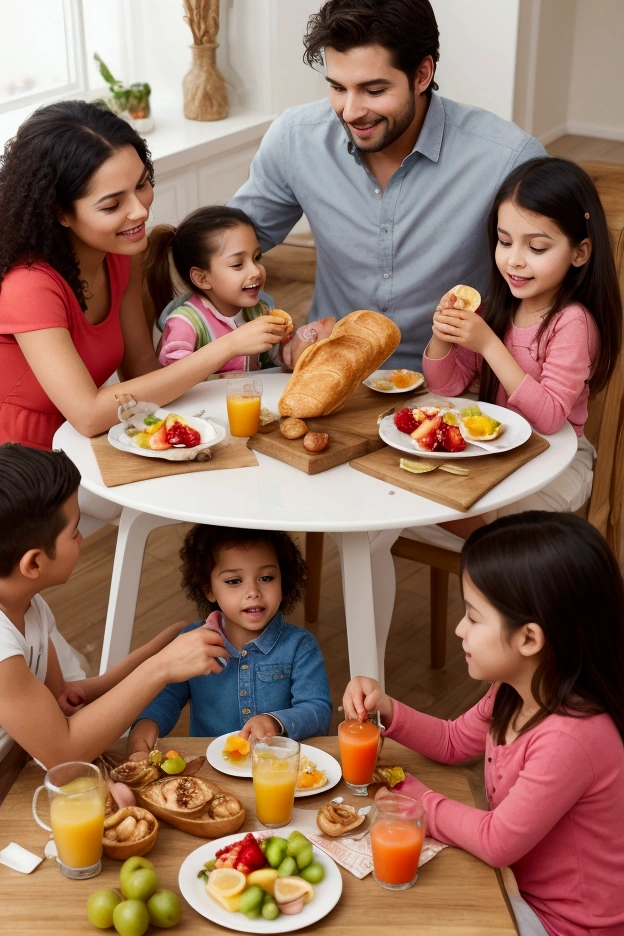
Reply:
x=205 y=93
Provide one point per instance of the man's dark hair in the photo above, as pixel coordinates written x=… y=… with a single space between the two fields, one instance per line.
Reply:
x=34 y=486
x=406 y=28
x=200 y=554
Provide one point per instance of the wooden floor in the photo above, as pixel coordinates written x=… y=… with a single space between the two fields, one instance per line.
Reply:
x=80 y=605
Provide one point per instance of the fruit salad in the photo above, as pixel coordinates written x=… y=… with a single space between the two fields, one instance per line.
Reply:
x=432 y=429
x=160 y=434
x=263 y=877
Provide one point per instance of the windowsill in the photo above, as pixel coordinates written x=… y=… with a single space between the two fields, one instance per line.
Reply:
x=176 y=142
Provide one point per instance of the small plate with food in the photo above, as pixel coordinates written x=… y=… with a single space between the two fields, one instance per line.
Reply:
x=318 y=770
x=231 y=881
x=394 y=381
x=157 y=433
x=448 y=429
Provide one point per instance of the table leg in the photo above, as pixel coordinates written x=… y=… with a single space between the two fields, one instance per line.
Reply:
x=384 y=589
x=134 y=528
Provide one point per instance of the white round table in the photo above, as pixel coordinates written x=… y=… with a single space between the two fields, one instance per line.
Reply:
x=364 y=515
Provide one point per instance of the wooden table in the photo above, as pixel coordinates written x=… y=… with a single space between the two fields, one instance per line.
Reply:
x=456 y=893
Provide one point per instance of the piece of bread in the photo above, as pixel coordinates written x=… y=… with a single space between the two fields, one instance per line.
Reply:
x=328 y=372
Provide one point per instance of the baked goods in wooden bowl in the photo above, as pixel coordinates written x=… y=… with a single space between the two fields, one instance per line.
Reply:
x=128 y=832
x=193 y=805
x=329 y=371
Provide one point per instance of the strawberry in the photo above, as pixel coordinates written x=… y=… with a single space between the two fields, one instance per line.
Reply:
x=251 y=857
x=181 y=434
x=429 y=442
x=404 y=421
x=453 y=440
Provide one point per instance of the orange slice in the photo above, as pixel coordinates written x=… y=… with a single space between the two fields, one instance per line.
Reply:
x=225 y=885
x=235 y=748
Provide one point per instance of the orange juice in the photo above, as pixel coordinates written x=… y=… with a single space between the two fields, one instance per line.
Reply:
x=396 y=847
x=243 y=414
x=358 y=751
x=274 y=784
x=78 y=823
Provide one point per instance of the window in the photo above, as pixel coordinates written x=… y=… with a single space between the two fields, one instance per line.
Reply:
x=47 y=47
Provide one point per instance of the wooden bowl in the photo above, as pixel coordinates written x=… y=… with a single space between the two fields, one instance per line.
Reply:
x=221 y=813
x=135 y=839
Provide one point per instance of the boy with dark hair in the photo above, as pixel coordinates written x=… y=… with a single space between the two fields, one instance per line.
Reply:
x=395 y=180
x=39 y=547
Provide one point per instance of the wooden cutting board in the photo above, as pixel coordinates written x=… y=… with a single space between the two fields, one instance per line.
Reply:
x=353 y=431
x=457 y=491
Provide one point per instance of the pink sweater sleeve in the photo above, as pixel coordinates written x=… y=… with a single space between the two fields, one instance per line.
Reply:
x=556 y=773
x=570 y=351
x=178 y=340
x=452 y=374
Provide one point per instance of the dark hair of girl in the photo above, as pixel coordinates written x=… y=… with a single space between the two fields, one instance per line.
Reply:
x=563 y=192
x=200 y=552
x=35 y=486
x=555 y=570
x=47 y=167
x=192 y=244
x=406 y=28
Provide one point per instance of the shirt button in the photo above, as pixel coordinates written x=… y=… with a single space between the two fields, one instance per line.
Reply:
x=243 y=653
x=377 y=191
x=489 y=760
x=245 y=666
x=385 y=230
x=386 y=275
x=242 y=692
x=246 y=711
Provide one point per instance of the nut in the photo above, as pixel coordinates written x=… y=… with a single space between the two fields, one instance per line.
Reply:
x=315 y=442
x=224 y=806
x=292 y=428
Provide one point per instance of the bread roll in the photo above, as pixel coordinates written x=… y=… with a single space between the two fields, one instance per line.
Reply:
x=328 y=372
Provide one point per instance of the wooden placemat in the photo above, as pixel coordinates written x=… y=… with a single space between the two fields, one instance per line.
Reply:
x=457 y=491
x=124 y=467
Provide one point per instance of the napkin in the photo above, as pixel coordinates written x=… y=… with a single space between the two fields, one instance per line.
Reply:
x=19 y=859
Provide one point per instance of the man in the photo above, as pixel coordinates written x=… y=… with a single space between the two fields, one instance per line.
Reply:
x=396 y=181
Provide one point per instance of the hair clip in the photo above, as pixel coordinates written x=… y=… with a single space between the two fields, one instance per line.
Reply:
x=587 y=215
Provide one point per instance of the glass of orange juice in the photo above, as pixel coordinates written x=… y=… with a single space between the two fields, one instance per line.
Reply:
x=358 y=741
x=77 y=794
x=274 y=768
x=397 y=835
x=243 y=405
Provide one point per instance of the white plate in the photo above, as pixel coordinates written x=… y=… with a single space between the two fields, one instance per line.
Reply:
x=322 y=759
x=385 y=375
x=326 y=894
x=517 y=430
x=210 y=434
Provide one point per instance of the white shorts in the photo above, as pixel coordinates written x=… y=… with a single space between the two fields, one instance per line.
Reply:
x=567 y=493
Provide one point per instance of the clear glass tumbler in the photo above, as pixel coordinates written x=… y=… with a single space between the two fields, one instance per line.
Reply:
x=243 y=396
x=359 y=741
x=397 y=835
x=275 y=768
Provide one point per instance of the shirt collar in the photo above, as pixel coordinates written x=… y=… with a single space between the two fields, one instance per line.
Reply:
x=429 y=142
x=228 y=319
x=264 y=643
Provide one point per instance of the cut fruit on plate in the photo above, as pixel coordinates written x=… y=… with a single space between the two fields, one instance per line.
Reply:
x=481 y=428
x=288 y=889
x=227 y=881
x=469 y=296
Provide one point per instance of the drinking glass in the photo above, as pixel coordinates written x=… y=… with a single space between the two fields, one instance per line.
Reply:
x=243 y=405
x=274 y=768
x=77 y=794
x=397 y=835
x=358 y=741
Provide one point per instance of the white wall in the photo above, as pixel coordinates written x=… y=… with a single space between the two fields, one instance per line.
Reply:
x=596 y=101
x=478 y=40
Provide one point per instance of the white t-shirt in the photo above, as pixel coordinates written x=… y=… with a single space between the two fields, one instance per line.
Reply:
x=39 y=625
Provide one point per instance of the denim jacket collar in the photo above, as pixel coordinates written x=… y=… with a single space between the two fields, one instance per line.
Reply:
x=264 y=643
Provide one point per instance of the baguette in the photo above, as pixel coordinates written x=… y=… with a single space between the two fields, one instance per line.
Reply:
x=328 y=372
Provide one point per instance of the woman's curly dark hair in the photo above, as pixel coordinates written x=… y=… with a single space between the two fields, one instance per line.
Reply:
x=199 y=557
x=45 y=168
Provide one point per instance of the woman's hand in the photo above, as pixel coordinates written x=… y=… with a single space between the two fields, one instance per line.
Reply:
x=364 y=695
x=264 y=727
x=458 y=326
x=258 y=336
x=193 y=654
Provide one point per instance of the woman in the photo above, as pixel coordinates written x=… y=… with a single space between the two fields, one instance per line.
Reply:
x=76 y=185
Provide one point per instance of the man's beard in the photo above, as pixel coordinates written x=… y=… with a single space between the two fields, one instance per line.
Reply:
x=390 y=135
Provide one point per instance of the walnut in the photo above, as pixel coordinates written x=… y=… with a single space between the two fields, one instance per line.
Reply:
x=224 y=806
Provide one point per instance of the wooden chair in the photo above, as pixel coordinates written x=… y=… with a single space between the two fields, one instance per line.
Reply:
x=604 y=429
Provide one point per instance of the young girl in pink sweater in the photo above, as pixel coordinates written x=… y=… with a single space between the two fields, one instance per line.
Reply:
x=550 y=328
x=544 y=624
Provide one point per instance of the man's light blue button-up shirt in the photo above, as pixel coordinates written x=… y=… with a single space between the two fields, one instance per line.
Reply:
x=395 y=251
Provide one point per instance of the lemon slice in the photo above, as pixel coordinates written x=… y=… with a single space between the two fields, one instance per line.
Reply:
x=292 y=888
x=226 y=882
x=417 y=467
x=469 y=296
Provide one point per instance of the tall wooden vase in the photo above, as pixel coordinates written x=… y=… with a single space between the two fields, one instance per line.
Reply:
x=205 y=93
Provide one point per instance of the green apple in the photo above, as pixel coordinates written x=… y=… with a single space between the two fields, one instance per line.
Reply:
x=164 y=908
x=130 y=918
x=138 y=878
x=100 y=907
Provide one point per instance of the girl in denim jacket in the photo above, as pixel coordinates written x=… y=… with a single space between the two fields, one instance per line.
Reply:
x=274 y=680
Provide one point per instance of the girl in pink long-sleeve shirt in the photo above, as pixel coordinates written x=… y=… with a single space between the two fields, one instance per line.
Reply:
x=550 y=328
x=544 y=623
